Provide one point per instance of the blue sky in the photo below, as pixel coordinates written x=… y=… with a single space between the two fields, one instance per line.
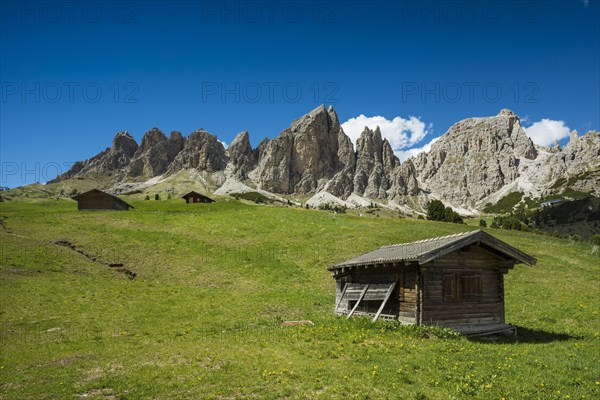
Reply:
x=73 y=74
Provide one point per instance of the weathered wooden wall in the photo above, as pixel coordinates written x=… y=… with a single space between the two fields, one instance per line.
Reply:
x=120 y=205
x=194 y=197
x=401 y=305
x=485 y=308
x=340 y=283
x=408 y=295
x=95 y=201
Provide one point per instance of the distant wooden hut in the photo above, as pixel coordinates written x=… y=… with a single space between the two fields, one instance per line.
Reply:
x=454 y=281
x=98 y=200
x=194 y=197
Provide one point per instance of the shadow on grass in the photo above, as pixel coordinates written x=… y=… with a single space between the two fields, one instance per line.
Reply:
x=526 y=335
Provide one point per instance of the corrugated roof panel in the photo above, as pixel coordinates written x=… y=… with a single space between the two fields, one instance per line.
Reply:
x=422 y=250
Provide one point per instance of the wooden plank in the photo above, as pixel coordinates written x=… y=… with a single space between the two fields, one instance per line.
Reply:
x=464 y=321
x=387 y=297
x=459 y=307
x=379 y=293
x=342 y=296
x=419 y=297
x=354 y=290
x=359 y=300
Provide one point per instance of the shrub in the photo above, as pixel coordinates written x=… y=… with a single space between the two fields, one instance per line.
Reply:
x=147 y=197
x=333 y=207
x=156 y=196
x=482 y=223
x=438 y=212
x=511 y=222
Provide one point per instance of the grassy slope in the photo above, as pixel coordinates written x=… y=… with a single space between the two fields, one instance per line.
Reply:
x=201 y=320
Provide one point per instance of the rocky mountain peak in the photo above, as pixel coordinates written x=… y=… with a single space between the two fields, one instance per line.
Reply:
x=506 y=112
x=377 y=132
x=175 y=135
x=556 y=146
x=114 y=158
x=317 y=121
x=303 y=156
x=242 y=159
x=242 y=139
x=155 y=153
x=201 y=151
x=375 y=162
x=125 y=144
x=333 y=117
x=150 y=138
x=574 y=136
x=581 y=151
x=475 y=158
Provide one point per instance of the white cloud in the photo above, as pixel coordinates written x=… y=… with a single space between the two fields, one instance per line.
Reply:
x=404 y=155
x=544 y=132
x=400 y=133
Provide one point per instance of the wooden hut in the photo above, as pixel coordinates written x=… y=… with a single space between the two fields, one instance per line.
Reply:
x=454 y=281
x=98 y=200
x=194 y=197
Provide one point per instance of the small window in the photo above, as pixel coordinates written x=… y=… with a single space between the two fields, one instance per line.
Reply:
x=449 y=286
x=462 y=286
x=471 y=285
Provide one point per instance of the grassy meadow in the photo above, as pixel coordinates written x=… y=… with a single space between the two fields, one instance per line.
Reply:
x=213 y=282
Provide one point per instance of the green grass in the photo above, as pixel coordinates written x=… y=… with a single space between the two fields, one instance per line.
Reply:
x=505 y=204
x=252 y=196
x=214 y=281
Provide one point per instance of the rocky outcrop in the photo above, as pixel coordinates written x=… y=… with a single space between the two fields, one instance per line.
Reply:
x=150 y=139
x=404 y=182
x=202 y=151
x=475 y=158
x=259 y=152
x=342 y=183
x=123 y=148
x=155 y=154
x=577 y=166
x=273 y=172
x=112 y=159
x=580 y=155
x=375 y=163
x=242 y=159
x=304 y=158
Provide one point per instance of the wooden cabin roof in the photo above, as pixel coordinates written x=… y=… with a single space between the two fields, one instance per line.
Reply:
x=424 y=251
x=195 y=194
x=84 y=194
